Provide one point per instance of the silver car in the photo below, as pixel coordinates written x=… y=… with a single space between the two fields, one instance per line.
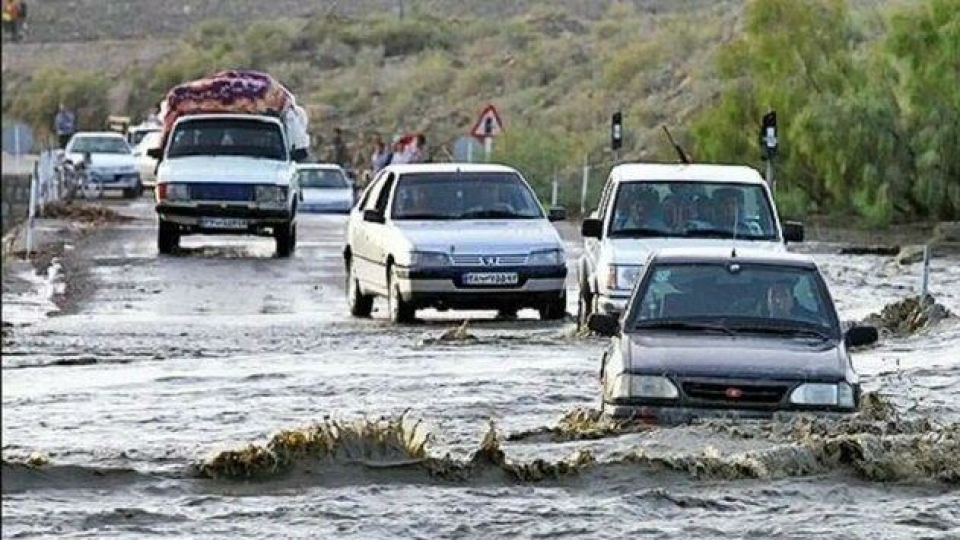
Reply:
x=325 y=188
x=112 y=164
x=454 y=236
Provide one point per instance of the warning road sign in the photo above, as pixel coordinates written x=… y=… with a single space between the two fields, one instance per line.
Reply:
x=488 y=124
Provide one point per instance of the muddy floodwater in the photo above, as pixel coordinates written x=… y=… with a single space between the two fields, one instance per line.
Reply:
x=225 y=393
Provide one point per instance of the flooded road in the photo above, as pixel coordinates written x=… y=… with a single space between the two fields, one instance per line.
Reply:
x=129 y=412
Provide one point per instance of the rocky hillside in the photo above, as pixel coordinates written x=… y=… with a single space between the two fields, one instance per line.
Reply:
x=85 y=20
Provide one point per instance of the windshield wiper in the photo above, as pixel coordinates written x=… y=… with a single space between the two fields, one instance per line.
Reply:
x=724 y=233
x=785 y=330
x=642 y=232
x=683 y=325
x=494 y=214
x=426 y=216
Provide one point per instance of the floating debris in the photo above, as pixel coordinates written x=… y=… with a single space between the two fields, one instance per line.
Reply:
x=583 y=423
x=86 y=213
x=909 y=316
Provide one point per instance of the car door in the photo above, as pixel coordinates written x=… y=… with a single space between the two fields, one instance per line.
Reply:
x=358 y=234
x=380 y=235
x=592 y=246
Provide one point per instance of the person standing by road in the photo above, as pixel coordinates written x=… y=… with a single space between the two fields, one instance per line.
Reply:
x=14 y=14
x=380 y=156
x=341 y=156
x=65 y=125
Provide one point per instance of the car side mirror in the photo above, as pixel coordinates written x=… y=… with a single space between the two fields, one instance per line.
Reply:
x=298 y=154
x=859 y=336
x=373 y=216
x=604 y=325
x=557 y=213
x=155 y=153
x=792 y=231
x=591 y=228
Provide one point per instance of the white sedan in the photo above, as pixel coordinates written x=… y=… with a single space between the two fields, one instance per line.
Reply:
x=111 y=164
x=325 y=188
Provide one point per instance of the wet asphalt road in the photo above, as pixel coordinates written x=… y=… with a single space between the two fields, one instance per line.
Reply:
x=164 y=361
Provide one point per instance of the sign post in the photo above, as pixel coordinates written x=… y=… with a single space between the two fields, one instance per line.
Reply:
x=769 y=146
x=487 y=126
x=616 y=133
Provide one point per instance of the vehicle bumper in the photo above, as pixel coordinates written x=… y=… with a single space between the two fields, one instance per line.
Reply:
x=333 y=208
x=613 y=305
x=257 y=220
x=115 y=181
x=681 y=414
x=445 y=288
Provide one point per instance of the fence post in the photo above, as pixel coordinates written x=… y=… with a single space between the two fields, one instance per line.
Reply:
x=553 y=198
x=583 y=187
x=925 y=278
x=31 y=212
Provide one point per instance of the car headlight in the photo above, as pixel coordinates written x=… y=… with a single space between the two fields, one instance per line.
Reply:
x=550 y=257
x=622 y=277
x=428 y=259
x=173 y=192
x=823 y=394
x=644 y=386
x=271 y=194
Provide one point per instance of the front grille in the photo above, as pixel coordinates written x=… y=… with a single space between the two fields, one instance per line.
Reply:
x=489 y=260
x=756 y=394
x=221 y=192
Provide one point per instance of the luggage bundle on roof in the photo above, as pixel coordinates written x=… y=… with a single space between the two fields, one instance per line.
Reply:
x=237 y=91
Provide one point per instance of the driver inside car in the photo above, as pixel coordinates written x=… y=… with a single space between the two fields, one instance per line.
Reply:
x=782 y=304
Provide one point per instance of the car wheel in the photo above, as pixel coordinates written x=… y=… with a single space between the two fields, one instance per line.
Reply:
x=400 y=310
x=360 y=305
x=554 y=310
x=168 y=237
x=286 y=238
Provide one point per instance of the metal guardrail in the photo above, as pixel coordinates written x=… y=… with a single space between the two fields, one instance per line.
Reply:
x=46 y=186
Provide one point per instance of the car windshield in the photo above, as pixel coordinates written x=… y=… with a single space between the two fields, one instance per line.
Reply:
x=458 y=195
x=692 y=210
x=322 y=178
x=99 y=145
x=748 y=297
x=227 y=137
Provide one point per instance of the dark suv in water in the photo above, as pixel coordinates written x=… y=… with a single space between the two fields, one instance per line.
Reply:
x=711 y=331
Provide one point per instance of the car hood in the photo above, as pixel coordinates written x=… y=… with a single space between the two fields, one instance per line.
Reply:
x=741 y=357
x=636 y=250
x=502 y=236
x=105 y=161
x=233 y=169
x=327 y=195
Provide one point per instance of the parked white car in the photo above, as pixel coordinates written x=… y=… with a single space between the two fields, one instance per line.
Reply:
x=147 y=164
x=324 y=188
x=453 y=236
x=646 y=207
x=111 y=165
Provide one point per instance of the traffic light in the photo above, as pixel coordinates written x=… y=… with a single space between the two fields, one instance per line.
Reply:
x=768 y=136
x=616 y=131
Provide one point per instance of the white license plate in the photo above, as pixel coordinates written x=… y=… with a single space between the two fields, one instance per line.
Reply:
x=223 y=223
x=491 y=278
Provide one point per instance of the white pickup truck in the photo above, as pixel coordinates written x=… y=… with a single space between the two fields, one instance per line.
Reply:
x=646 y=207
x=227 y=174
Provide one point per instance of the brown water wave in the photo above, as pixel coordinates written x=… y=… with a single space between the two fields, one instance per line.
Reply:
x=875 y=448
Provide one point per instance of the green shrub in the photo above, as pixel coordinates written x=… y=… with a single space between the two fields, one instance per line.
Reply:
x=83 y=91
